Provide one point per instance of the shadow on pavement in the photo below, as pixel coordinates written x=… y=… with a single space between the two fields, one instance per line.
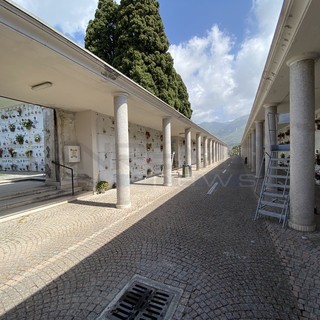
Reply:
x=205 y=244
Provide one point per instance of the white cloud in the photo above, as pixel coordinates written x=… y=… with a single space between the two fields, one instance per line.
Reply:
x=70 y=16
x=222 y=83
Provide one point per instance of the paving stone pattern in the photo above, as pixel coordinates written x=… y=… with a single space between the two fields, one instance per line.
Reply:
x=70 y=261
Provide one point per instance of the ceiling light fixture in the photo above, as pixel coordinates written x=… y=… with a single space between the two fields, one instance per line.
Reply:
x=41 y=86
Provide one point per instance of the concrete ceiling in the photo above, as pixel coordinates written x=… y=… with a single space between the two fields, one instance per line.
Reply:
x=32 y=53
x=297 y=34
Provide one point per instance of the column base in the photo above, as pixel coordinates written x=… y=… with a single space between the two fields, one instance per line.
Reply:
x=123 y=206
x=302 y=228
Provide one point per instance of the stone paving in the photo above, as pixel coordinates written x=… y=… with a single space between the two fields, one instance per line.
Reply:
x=70 y=261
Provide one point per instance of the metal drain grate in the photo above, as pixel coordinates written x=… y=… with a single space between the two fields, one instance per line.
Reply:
x=143 y=299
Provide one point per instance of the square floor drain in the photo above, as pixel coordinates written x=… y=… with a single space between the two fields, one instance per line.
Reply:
x=143 y=299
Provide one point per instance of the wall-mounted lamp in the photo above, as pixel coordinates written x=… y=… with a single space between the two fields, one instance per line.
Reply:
x=41 y=86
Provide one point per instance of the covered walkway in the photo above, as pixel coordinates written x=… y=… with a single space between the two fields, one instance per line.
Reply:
x=198 y=236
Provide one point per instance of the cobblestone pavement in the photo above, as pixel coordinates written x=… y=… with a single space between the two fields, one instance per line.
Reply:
x=70 y=261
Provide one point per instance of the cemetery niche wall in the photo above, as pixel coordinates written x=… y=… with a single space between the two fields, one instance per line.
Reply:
x=145 y=150
x=21 y=139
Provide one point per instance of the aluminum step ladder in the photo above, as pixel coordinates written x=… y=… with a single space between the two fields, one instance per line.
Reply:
x=274 y=200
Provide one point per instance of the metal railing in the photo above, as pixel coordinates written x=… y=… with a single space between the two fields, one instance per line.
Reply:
x=62 y=165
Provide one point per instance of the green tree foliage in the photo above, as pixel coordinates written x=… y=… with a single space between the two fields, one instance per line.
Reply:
x=131 y=37
x=235 y=150
x=100 y=35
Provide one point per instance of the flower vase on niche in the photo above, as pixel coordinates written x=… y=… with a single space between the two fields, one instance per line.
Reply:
x=12 y=127
x=12 y=152
x=28 y=124
x=20 y=138
x=28 y=153
x=37 y=138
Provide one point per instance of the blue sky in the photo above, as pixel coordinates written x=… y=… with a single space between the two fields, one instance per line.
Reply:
x=184 y=19
x=219 y=46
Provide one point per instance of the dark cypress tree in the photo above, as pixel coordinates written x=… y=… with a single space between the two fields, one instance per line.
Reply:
x=140 y=49
x=100 y=35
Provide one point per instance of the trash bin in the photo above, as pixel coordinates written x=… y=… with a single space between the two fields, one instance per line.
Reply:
x=186 y=171
x=245 y=160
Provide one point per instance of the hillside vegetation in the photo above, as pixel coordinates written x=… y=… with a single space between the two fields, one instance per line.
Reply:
x=229 y=132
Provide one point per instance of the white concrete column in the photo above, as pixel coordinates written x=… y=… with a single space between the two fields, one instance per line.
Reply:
x=253 y=150
x=188 y=146
x=167 y=165
x=198 y=151
x=210 y=152
x=213 y=144
x=270 y=130
x=122 y=150
x=249 y=149
x=205 y=152
x=245 y=148
x=214 y=151
x=217 y=146
x=259 y=147
x=302 y=144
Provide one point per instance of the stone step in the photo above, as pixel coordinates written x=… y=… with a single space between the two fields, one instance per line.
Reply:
x=22 y=193
x=32 y=198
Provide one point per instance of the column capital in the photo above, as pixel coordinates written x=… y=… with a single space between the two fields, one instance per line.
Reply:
x=258 y=121
x=306 y=56
x=121 y=94
x=270 y=105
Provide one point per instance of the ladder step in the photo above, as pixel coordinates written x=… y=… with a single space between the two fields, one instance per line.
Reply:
x=279 y=159
x=279 y=167
x=279 y=186
x=270 y=213
x=273 y=204
x=278 y=176
x=280 y=147
x=275 y=195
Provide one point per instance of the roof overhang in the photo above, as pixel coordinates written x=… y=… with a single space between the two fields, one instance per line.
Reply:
x=33 y=53
x=296 y=34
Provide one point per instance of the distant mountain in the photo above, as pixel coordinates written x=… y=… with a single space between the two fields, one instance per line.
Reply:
x=229 y=132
